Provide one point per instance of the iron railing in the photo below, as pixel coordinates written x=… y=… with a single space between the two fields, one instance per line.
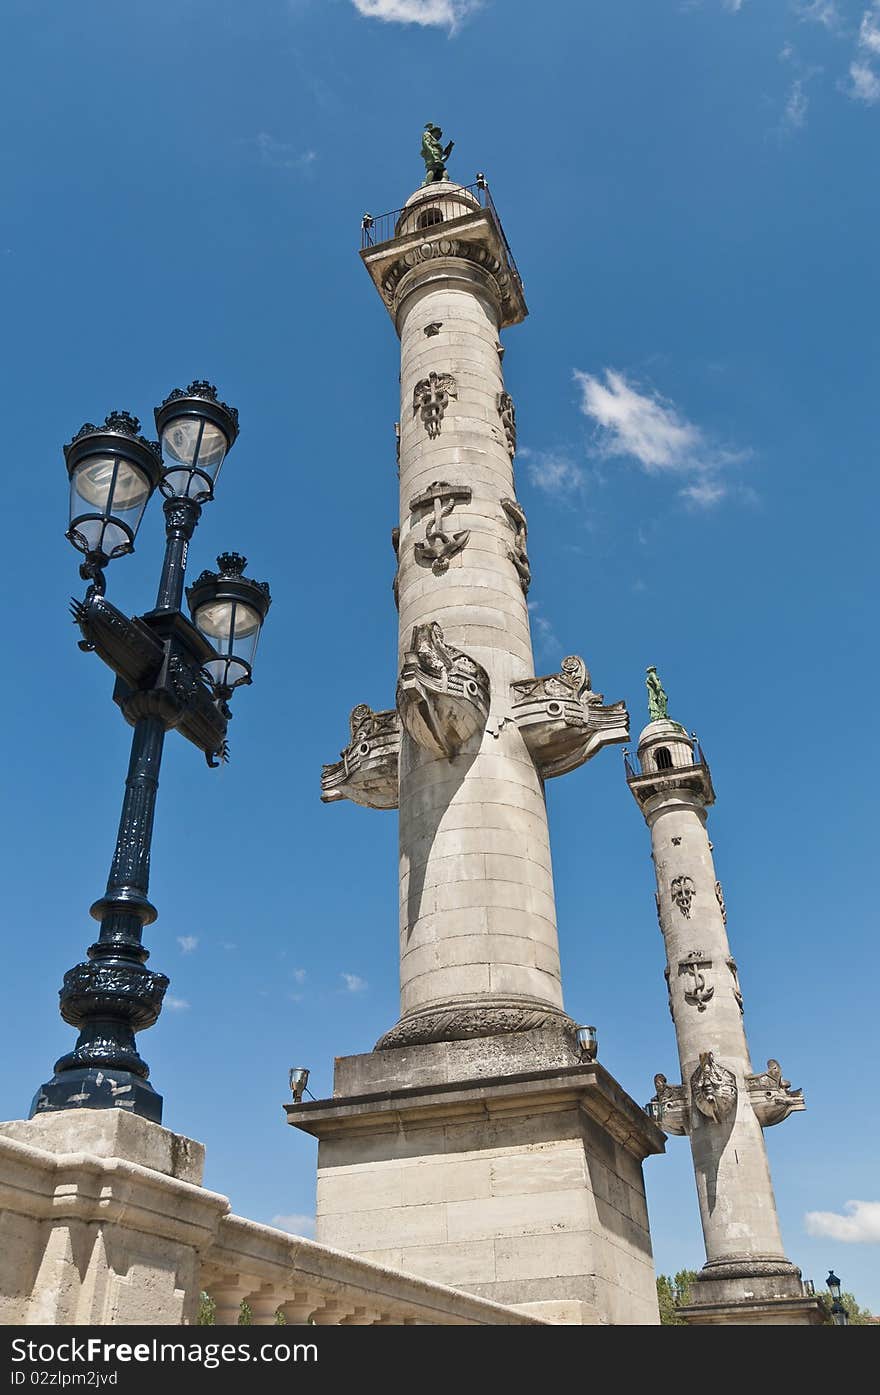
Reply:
x=633 y=764
x=444 y=207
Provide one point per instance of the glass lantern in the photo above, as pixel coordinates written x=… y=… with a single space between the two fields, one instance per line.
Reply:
x=588 y=1042
x=113 y=471
x=197 y=431
x=299 y=1079
x=229 y=609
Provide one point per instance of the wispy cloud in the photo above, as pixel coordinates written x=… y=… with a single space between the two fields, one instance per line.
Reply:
x=295 y=1224
x=861 y=1225
x=299 y=976
x=176 y=1004
x=354 y=984
x=278 y=155
x=864 y=83
x=704 y=493
x=547 y=642
x=797 y=101
x=188 y=943
x=552 y=471
x=440 y=14
x=823 y=12
x=864 y=78
x=794 y=115
x=642 y=425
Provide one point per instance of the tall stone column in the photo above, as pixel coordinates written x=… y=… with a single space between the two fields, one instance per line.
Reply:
x=721 y=1103
x=476 y=1143
x=477 y=922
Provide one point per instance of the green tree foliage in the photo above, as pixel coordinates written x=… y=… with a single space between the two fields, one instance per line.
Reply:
x=858 y=1316
x=674 y=1293
x=207 y=1316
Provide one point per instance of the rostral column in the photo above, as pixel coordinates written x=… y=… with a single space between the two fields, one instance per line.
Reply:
x=464 y=755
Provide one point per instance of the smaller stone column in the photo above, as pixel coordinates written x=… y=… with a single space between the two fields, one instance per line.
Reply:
x=721 y=1103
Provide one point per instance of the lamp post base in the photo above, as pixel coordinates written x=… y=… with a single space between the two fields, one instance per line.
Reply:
x=98 y=1089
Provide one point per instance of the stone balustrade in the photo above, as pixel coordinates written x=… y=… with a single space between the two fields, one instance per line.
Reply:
x=103 y=1220
x=271 y=1271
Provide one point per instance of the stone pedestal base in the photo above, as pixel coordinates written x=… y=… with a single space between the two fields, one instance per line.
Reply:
x=751 y=1291
x=102 y=1220
x=502 y=1166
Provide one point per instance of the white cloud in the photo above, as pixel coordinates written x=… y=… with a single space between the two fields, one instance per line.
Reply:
x=299 y=975
x=641 y=425
x=734 y=5
x=704 y=493
x=794 y=116
x=188 y=943
x=648 y=428
x=277 y=154
x=864 y=78
x=176 y=1004
x=860 y=1227
x=552 y=472
x=865 y=83
x=354 y=984
x=295 y=1224
x=445 y=14
x=869 y=30
x=546 y=639
x=819 y=12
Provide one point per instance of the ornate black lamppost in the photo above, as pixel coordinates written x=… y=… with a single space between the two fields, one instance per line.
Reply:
x=170 y=672
x=839 y=1315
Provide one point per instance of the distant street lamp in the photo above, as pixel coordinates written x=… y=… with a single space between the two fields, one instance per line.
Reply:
x=171 y=672
x=838 y=1311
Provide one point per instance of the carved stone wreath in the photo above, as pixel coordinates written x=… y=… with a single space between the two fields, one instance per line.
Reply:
x=719 y=896
x=459 y=1024
x=518 y=553
x=447 y=247
x=507 y=413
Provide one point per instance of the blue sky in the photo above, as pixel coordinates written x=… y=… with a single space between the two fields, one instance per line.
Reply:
x=691 y=193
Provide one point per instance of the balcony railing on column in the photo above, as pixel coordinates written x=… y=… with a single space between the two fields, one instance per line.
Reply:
x=445 y=206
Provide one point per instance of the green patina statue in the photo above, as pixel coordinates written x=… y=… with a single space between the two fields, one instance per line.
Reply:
x=434 y=154
x=657 y=699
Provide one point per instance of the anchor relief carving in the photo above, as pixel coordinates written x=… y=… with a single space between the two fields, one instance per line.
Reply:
x=367 y=770
x=563 y=722
x=713 y=1087
x=683 y=892
x=443 y=694
x=431 y=398
x=439 y=546
x=518 y=554
x=697 y=994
